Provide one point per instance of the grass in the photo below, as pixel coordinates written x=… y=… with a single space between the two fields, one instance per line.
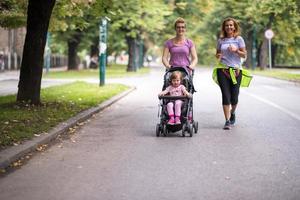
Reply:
x=285 y=74
x=22 y=122
x=112 y=71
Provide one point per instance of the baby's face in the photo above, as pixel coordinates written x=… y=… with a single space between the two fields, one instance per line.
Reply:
x=176 y=82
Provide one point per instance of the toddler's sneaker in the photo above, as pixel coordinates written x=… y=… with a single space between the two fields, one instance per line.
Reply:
x=177 y=120
x=171 y=121
x=227 y=125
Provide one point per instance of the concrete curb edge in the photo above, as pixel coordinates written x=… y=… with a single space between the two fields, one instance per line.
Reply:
x=14 y=153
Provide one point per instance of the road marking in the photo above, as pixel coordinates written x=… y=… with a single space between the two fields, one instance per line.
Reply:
x=293 y=115
x=270 y=87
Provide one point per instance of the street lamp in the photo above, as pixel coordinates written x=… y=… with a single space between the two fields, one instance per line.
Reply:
x=48 y=53
x=102 y=48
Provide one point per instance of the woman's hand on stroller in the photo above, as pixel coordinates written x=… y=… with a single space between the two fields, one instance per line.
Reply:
x=168 y=68
x=163 y=93
x=189 y=95
x=190 y=68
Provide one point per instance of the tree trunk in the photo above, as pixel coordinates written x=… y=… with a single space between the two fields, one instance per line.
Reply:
x=94 y=49
x=38 y=16
x=274 y=51
x=145 y=49
x=137 y=54
x=72 y=55
x=263 y=54
x=131 y=54
x=73 y=43
x=249 y=46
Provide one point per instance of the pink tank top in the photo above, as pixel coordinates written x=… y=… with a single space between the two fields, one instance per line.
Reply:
x=179 y=55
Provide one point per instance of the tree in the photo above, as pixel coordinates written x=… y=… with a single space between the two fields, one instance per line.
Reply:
x=78 y=24
x=67 y=25
x=136 y=18
x=38 y=16
x=283 y=17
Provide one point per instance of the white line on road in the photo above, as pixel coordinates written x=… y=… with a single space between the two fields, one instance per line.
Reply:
x=295 y=116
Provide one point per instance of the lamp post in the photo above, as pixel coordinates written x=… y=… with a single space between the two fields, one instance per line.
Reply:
x=102 y=49
x=48 y=52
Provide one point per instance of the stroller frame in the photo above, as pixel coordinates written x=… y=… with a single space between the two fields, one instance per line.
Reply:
x=188 y=124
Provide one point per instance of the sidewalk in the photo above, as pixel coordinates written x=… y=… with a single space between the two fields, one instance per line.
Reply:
x=14 y=153
x=14 y=74
x=9 y=81
x=9 y=75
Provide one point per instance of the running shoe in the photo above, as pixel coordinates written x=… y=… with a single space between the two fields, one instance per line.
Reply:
x=232 y=119
x=227 y=125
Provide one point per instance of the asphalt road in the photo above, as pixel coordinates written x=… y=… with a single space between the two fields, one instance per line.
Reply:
x=116 y=156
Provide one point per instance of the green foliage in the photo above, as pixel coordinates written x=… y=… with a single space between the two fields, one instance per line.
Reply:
x=136 y=17
x=77 y=20
x=13 y=13
x=284 y=74
x=112 y=71
x=69 y=15
x=153 y=22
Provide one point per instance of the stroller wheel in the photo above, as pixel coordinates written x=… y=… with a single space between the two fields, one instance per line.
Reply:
x=195 y=125
x=164 y=130
x=183 y=130
x=190 y=129
x=157 y=130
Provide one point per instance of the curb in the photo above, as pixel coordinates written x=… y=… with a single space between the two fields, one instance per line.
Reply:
x=14 y=153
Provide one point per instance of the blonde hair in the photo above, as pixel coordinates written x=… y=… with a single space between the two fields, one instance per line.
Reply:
x=237 y=31
x=179 y=20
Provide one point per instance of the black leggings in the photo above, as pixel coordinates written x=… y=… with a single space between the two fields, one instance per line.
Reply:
x=230 y=92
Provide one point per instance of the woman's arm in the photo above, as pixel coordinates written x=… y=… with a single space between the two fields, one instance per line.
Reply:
x=242 y=52
x=194 y=57
x=218 y=50
x=165 y=57
x=218 y=54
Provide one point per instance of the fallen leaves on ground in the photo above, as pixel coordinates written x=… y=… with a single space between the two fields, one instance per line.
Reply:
x=42 y=147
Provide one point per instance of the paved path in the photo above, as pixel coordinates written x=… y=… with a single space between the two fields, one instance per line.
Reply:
x=116 y=155
x=9 y=82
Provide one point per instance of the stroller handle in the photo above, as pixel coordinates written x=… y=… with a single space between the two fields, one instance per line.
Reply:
x=174 y=97
x=185 y=69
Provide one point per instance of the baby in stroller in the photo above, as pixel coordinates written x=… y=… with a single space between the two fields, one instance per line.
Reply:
x=175 y=109
x=175 y=89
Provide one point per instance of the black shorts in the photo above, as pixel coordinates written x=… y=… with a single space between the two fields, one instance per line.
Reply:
x=230 y=91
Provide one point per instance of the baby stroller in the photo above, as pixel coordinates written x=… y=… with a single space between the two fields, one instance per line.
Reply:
x=187 y=119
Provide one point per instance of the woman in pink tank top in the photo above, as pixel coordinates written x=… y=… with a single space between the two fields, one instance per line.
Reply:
x=179 y=51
